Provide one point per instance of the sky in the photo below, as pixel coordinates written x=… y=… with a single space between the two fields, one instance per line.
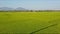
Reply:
x=32 y=4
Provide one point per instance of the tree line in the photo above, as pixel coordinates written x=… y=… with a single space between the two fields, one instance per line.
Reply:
x=29 y=10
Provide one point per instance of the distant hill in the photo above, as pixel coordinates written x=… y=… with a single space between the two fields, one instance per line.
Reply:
x=7 y=8
x=20 y=8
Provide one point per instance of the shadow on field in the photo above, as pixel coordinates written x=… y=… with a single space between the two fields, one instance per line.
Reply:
x=7 y=15
x=54 y=23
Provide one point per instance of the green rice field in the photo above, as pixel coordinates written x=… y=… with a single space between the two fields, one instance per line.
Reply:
x=29 y=22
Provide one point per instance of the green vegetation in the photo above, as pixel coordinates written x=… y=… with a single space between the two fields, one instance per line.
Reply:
x=28 y=22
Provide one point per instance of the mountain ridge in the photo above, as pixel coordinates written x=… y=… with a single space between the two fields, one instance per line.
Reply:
x=8 y=8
